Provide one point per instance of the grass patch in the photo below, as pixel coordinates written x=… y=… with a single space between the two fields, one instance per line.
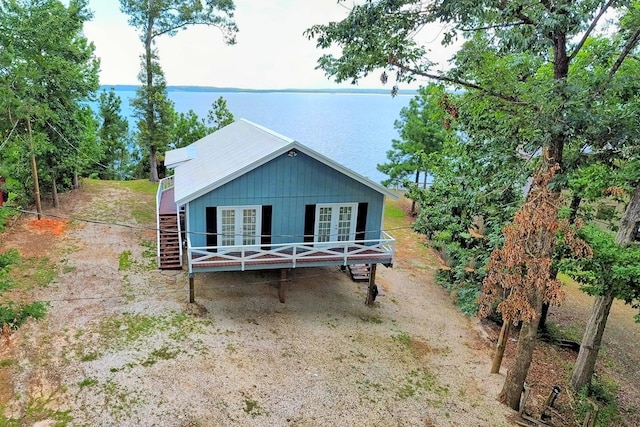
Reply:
x=90 y=356
x=420 y=381
x=125 y=261
x=252 y=407
x=142 y=186
x=149 y=253
x=14 y=315
x=603 y=394
x=371 y=318
x=163 y=353
x=391 y=210
x=128 y=328
x=38 y=409
x=87 y=382
x=120 y=401
x=68 y=269
x=5 y=363
x=558 y=332
x=35 y=271
x=403 y=338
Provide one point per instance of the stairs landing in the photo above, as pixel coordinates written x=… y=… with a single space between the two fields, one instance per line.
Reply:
x=359 y=272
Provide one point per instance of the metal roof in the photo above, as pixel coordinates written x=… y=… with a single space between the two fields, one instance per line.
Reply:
x=232 y=151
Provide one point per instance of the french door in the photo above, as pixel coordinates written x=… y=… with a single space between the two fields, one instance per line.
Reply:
x=335 y=222
x=239 y=225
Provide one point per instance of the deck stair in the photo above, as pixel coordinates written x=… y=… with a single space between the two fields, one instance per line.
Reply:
x=359 y=272
x=169 y=242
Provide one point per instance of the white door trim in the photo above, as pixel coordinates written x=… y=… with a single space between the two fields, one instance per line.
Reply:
x=236 y=230
x=329 y=227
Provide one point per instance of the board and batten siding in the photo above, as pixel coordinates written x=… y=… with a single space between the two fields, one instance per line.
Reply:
x=288 y=184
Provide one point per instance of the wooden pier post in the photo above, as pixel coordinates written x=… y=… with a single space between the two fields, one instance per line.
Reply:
x=283 y=278
x=192 y=292
x=372 y=291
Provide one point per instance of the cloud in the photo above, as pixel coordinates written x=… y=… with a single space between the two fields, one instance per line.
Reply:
x=271 y=50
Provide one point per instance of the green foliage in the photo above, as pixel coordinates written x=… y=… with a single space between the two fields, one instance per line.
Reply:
x=87 y=382
x=190 y=128
x=49 y=71
x=422 y=131
x=9 y=258
x=152 y=107
x=15 y=315
x=603 y=395
x=11 y=313
x=610 y=269
x=252 y=407
x=154 y=111
x=219 y=115
x=116 y=159
x=125 y=261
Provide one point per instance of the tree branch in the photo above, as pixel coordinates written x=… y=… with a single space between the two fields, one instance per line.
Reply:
x=492 y=27
x=633 y=40
x=394 y=62
x=590 y=29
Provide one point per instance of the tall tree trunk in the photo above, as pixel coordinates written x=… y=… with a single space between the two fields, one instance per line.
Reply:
x=54 y=191
x=631 y=219
x=413 y=202
x=153 y=165
x=573 y=208
x=517 y=374
x=150 y=113
x=76 y=181
x=591 y=341
x=502 y=344
x=34 y=172
x=592 y=338
x=514 y=382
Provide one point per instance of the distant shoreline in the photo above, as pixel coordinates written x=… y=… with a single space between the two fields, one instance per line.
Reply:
x=386 y=91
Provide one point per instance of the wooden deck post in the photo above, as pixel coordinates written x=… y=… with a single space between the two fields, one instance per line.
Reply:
x=372 y=290
x=192 y=292
x=283 y=278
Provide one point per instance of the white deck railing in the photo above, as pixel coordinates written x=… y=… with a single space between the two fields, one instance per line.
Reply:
x=342 y=253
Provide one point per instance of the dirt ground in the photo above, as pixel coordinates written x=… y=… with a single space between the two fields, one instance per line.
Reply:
x=120 y=345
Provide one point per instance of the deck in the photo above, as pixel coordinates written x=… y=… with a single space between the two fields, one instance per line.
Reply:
x=292 y=255
x=167 y=204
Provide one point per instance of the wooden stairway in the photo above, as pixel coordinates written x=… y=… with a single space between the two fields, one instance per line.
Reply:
x=169 y=242
x=359 y=272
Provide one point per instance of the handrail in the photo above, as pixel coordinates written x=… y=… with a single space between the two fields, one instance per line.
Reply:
x=290 y=252
x=158 y=199
x=164 y=185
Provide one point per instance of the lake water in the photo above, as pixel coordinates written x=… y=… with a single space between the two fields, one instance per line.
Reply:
x=355 y=130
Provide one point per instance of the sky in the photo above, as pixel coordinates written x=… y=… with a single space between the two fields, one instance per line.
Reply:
x=271 y=51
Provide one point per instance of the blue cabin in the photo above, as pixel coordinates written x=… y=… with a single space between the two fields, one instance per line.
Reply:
x=252 y=199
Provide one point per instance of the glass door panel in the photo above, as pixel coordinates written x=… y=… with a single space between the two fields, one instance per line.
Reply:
x=239 y=226
x=228 y=227
x=250 y=226
x=335 y=222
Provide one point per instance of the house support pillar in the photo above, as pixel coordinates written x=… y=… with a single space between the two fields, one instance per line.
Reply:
x=283 y=278
x=372 y=291
x=192 y=291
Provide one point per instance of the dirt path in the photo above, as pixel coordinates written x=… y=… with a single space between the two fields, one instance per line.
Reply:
x=120 y=345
